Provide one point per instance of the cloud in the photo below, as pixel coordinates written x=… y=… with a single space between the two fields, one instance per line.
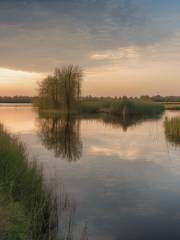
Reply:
x=9 y=75
x=117 y=54
x=100 y=35
x=40 y=35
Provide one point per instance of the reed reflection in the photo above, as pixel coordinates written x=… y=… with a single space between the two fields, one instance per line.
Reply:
x=128 y=122
x=119 y=122
x=62 y=218
x=62 y=135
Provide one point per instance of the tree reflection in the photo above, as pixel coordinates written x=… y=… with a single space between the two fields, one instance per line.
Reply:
x=61 y=134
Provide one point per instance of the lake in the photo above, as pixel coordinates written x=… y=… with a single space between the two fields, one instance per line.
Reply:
x=121 y=179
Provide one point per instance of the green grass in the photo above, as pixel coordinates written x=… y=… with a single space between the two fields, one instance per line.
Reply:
x=172 y=129
x=89 y=107
x=14 y=223
x=136 y=108
x=121 y=107
x=25 y=203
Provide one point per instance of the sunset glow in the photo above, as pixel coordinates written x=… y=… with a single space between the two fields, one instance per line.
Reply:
x=124 y=47
x=16 y=82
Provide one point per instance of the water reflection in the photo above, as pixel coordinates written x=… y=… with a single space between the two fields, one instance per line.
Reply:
x=126 y=185
x=119 y=122
x=62 y=135
x=62 y=218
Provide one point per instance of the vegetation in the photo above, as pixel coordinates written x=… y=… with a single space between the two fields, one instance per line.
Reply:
x=166 y=99
x=158 y=98
x=28 y=99
x=25 y=205
x=62 y=90
x=96 y=105
x=86 y=107
x=16 y=99
x=13 y=221
x=172 y=129
x=127 y=107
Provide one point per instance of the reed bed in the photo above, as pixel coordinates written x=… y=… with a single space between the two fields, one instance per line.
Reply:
x=90 y=107
x=121 y=107
x=127 y=108
x=172 y=129
x=26 y=205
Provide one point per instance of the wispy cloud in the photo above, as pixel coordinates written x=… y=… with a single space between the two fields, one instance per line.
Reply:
x=120 y=53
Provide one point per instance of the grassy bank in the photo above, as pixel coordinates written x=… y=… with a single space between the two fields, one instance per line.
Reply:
x=26 y=205
x=172 y=129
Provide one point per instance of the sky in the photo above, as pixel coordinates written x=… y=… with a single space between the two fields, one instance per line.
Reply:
x=125 y=47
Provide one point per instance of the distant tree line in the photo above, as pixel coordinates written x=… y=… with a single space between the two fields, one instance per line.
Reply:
x=156 y=98
x=16 y=99
x=30 y=99
x=65 y=88
x=159 y=98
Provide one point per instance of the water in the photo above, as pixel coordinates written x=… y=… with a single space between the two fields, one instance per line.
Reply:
x=122 y=179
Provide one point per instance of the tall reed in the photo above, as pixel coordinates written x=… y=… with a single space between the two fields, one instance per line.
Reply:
x=127 y=108
x=172 y=129
x=21 y=181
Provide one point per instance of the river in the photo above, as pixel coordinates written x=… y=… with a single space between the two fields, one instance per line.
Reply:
x=122 y=179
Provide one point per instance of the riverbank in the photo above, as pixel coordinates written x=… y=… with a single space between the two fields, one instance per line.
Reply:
x=26 y=205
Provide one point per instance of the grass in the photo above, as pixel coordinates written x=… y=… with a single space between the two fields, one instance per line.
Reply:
x=26 y=205
x=13 y=221
x=121 y=108
x=88 y=107
x=127 y=108
x=172 y=129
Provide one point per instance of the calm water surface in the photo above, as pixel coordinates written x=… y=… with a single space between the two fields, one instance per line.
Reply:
x=123 y=180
